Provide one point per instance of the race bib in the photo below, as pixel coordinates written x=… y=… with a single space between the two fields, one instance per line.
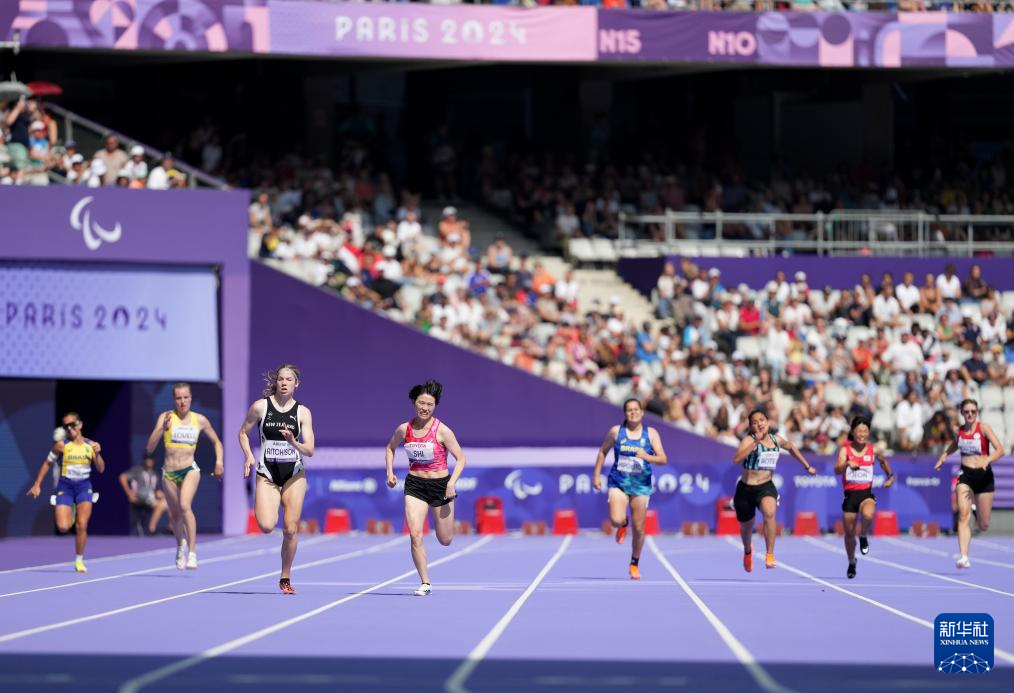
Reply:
x=629 y=465
x=768 y=459
x=185 y=435
x=969 y=446
x=280 y=451
x=863 y=475
x=419 y=452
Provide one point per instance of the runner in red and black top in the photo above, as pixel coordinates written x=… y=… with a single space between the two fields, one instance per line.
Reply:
x=855 y=464
x=979 y=448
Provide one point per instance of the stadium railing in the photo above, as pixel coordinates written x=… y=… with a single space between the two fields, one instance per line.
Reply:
x=90 y=135
x=838 y=232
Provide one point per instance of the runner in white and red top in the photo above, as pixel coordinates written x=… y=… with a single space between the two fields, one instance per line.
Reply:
x=427 y=441
x=855 y=464
x=979 y=448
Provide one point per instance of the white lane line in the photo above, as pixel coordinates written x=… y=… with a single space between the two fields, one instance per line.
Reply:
x=120 y=556
x=1006 y=656
x=994 y=545
x=137 y=683
x=910 y=569
x=204 y=561
x=113 y=612
x=456 y=682
x=945 y=554
x=745 y=657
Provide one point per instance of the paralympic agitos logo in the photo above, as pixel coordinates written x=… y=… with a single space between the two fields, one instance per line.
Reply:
x=94 y=235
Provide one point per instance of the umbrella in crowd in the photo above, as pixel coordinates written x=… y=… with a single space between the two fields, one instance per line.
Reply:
x=45 y=88
x=12 y=91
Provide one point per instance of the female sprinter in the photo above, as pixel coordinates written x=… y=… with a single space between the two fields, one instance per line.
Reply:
x=179 y=430
x=855 y=464
x=635 y=448
x=427 y=442
x=758 y=453
x=286 y=429
x=979 y=448
x=74 y=489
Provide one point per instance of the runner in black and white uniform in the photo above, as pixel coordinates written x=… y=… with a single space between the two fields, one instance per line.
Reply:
x=286 y=429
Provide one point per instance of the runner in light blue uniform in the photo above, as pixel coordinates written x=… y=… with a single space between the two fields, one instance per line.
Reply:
x=635 y=448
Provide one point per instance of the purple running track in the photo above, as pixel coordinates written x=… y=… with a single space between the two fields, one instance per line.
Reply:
x=134 y=623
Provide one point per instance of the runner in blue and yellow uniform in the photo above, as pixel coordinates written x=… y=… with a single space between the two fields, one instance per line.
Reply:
x=76 y=455
x=758 y=453
x=179 y=430
x=635 y=448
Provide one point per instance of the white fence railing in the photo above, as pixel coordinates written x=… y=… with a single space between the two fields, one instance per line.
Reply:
x=839 y=232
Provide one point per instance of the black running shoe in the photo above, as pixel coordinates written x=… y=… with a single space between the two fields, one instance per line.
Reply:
x=864 y=545
x=852 y=570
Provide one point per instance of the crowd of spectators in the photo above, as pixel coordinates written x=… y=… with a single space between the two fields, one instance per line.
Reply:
x=555 y=198
x=776 y=5
x=901 y=353
x=31 y=153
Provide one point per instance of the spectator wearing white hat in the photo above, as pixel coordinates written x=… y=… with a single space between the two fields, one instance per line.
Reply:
x=75 y=169
x=135 y=167
x=112 y=157
x=95 y=174
x=800 y=289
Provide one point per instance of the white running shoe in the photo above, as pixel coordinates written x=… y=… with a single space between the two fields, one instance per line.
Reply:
x=963 y=562
x=192 y=561
x=181 y=557
x=425 y=589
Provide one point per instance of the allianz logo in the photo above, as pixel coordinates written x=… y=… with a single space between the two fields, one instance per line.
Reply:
x=94 y=234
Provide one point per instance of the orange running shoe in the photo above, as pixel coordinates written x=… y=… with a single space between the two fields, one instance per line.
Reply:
x=286 y=586
x=769 y=561
x=635 y=572
x=748 y=562
x=621 y=534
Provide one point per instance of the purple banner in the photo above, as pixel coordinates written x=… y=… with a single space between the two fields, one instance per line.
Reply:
x=836 y=272
x=115 y=225
x=682 y=492
x=826 y=39
x=544 y=34
x=312 y=28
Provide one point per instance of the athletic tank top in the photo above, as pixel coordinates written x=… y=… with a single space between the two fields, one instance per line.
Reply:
x=763 y=458
x=973 y=442
x=858 y=479
x=425 y=453
x=274 y=448
x=77 y=461
x=625 y=460
x=182 y=435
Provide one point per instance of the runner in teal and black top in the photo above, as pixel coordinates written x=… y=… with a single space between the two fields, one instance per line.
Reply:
x=758 y=453
x=635 y=448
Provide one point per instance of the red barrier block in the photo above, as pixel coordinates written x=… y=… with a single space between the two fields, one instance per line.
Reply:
x=933 y=529
x=426 y=525
x=337 y=521
x=806 y=524
x=490 y=521
x=651 y=523
x=251 y=523
x=565 y=522
x=727 y=523
x=885 y=524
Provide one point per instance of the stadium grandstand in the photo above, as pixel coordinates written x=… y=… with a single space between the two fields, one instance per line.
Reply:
x=541 y=221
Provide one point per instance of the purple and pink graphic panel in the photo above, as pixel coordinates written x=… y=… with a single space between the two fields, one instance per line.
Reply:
x=542 y=34
x=825 y=39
